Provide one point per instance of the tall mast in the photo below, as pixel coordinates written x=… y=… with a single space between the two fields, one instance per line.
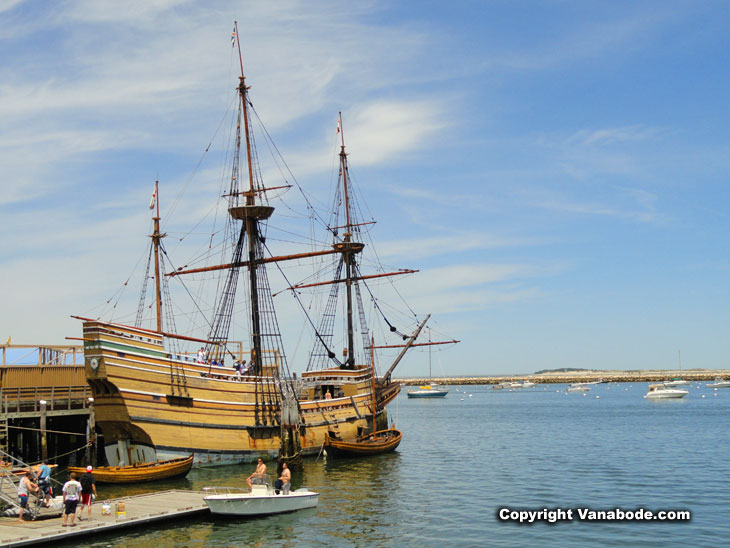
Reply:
x=156 y=237
x=250 y=214
x=349 y=250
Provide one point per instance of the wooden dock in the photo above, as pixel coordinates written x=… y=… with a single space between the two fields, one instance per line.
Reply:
x=148 y=508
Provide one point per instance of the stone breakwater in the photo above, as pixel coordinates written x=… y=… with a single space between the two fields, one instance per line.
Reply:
x=580 y=376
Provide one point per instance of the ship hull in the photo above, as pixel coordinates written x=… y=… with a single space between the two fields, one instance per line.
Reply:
x=152 y=405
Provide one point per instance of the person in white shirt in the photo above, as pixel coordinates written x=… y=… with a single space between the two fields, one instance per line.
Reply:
x=71 y=495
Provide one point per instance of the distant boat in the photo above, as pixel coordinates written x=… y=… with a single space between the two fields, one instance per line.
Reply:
x=260 y=500
x=679 y=381
x=661 y=391
x=578 y=388
x=591 y=383
x=145 y=471
x=719 y=383
x=426 y=390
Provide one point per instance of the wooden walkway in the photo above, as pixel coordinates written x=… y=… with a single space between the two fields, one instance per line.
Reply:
x=149 y=508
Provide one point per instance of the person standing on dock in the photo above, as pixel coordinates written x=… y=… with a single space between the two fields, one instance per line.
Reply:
x=25 y=488
x=44 y=482
x=88 y=490
x=71 y=492
x=259 y=476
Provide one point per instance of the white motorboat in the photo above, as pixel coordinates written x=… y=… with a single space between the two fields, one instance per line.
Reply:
x=528 y=384
x=661 y=391
x=719 y=383
x=578 y=388
x=260 y=500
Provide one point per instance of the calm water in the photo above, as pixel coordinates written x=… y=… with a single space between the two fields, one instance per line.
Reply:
x=462 y=459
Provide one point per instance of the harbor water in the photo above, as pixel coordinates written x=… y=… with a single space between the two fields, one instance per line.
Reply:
x=465 y=457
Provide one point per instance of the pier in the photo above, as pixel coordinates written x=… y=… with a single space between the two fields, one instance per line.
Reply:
x=139 y=509
x=46 y=405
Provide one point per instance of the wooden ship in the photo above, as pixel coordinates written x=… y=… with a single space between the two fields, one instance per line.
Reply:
x=155 y=400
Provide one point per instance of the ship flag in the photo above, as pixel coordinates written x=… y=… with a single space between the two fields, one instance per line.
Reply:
x=154 y=196
x=233 y=37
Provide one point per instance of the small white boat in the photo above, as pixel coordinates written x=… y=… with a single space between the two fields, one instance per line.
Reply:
x=677 y=382
x=587 y=383
x=719 y=383
x=528 y=384
x=578 y=388
x=260 y=500
x=661 y=391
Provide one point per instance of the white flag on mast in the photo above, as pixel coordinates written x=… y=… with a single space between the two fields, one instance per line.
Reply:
x=154 y=196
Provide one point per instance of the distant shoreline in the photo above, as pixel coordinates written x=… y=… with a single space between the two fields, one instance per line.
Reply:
x=648 y=375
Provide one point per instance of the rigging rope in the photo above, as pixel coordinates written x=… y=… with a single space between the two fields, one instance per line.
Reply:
x=331 y=354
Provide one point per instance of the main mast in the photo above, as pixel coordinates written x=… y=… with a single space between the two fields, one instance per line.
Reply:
x=250 y=214
x=349 y=250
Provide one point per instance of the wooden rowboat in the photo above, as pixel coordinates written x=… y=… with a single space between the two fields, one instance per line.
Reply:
x=369 y=444
x=145 y=471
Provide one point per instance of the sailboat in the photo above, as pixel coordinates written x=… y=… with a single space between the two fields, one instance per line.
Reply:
x=679 y=381
x=157 y=400
x=427 y=390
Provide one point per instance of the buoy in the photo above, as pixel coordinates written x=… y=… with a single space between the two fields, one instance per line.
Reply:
x=703 y=395
x=597 y=397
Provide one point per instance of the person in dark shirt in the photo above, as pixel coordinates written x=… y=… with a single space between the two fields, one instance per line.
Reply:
x=88 y=488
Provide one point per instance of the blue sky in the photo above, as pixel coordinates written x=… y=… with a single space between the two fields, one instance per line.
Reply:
x=556 y=170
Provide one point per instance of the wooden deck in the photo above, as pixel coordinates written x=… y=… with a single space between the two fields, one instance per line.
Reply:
x=149 y=508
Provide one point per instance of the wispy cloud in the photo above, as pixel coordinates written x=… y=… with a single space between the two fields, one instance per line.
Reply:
x=629 y=204
x=419 y=248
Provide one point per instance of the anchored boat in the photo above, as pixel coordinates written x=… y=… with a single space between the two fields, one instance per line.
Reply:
x=427 y=390
x=135 y=473
x=157 y=396
x=661 y=392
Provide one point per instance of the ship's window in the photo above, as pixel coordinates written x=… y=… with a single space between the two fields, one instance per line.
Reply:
x=121 y=354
